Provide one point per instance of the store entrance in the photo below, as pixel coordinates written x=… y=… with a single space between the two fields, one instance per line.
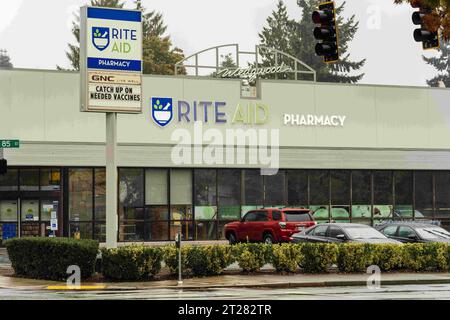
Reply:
x=30 y=201
x=29 y=217
x=37 y=217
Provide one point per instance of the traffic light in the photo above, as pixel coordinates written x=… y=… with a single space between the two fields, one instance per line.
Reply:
x=3 y=166
x=327 y=32
x=429 y=38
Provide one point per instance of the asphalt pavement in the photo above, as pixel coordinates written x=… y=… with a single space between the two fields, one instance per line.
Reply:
x=403 y=292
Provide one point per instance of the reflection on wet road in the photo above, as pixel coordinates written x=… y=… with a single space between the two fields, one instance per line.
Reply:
x=323 y=293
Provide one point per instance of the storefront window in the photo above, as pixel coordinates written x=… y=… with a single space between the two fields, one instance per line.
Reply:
x=100 y=194
x=403 y=194
x=186 y=228
x=229 y=194
x=9 y=181
x=156 y=213
x=206 y=230
x=29 y=179
x=100 y=231
x=181 y=187
x=442 y=194
x=83 y=228
x=157 y=231
x=361 y=197
x=319 y=185
x=275 y=190
x=340 y=195
x=30 y=210
x=205 y=199
x=131 y=230
x=131 y=187
x=8 y=210
x=80 y=194
x=205 y=187
x=423 y=185
x=253 y=188
x=297 y=188
x=382 y=195
x=156 y=187
x=50 y=179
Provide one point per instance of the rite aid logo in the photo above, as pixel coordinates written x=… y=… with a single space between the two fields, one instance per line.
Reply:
x=100 y=38
x=162 y=111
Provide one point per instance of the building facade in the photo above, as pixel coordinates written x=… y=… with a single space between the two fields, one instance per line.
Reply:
x=358 y=153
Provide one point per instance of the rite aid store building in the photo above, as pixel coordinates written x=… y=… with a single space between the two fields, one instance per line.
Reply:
x=356 y=153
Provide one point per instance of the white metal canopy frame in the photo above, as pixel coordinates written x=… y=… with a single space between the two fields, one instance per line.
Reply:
x=261 y=55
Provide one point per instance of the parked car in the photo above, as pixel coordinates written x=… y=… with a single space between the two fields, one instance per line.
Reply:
x=405 y=231
x=269 y=225
x=341 y=232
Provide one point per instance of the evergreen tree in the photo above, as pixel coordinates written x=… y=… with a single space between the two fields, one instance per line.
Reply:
x=5 y=60
x=442 y=65
x=158 y=55
x=73 y=54
x=295 y=37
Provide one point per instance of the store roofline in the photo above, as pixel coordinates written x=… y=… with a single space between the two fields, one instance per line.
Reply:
x=222 y=79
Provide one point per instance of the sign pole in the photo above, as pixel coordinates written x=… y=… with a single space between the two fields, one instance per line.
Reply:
x=111 y=180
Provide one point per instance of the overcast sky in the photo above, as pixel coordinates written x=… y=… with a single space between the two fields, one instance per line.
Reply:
x=36 y=32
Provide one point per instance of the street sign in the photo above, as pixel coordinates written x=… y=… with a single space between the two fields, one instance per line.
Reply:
x=8 y=144
x=111 y=60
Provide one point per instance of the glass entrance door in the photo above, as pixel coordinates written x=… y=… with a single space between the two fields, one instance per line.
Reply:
x=39 y=217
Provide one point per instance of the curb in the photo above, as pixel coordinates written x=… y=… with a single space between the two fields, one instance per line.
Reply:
x=251 y=286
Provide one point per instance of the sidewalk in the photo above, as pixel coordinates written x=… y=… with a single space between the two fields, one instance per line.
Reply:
x=259 y=280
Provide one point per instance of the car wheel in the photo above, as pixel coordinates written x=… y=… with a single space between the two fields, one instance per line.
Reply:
x=268 y=239
x=232 y=239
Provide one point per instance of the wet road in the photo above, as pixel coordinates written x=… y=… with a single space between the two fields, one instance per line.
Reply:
x=324 y=293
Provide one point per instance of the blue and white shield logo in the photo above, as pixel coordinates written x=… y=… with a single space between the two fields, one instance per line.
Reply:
x=100 y=37
x=162 y=111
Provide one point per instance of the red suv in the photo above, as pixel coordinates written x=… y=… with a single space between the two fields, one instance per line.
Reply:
x=269 y=225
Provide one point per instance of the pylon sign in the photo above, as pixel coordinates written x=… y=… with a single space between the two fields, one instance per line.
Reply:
x=111 y=60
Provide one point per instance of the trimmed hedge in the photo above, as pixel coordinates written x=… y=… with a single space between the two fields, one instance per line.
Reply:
x=286 y=257
x=251 y=257
x=131 y=262
x=318 y=258
x=49 y=258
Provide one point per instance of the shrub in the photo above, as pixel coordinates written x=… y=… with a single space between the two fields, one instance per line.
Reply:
x=49 y=258
x=131 y=262
x=170 y=257
x=318 y=258
x=387 y=256
x=354 y=257
x=285 y=257
x=208 y=260
x=425 y=256
x=251 y=256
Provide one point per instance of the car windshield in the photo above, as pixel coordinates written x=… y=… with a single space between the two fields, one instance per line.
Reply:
x=364 y=233
x=297 y=216
x=433 y=233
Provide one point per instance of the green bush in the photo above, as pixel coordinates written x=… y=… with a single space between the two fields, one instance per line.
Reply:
x=49 y=258
x=170 y=257
x=354 y=257
x=425 y=256
x=131 y=262
x=208 y=260
x=285 y=257
x=251 y=256
x=318 y=258
x=387 y=256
